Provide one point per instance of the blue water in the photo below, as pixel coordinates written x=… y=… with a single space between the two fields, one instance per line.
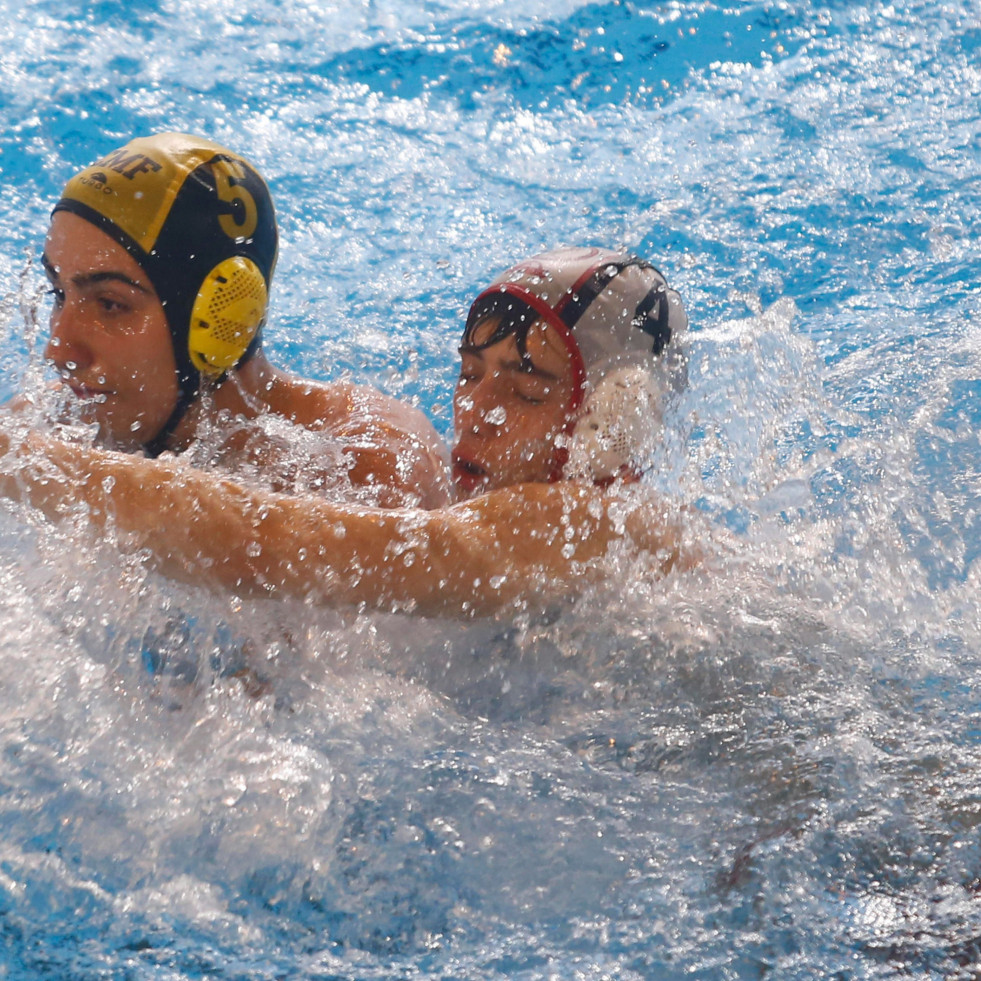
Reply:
x=768 y=768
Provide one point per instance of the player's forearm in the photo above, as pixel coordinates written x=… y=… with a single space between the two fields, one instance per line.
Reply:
x=513 y=546
x=212 y=531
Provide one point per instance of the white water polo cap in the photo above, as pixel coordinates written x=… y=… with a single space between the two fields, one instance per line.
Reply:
x=622 y=326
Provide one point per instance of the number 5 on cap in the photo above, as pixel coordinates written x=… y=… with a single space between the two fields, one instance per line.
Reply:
x=225 y=172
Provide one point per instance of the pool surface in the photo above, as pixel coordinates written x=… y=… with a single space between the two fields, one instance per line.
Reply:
x=767 y=768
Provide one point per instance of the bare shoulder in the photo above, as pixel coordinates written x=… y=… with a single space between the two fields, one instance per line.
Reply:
x=346 y=407
x=391 y=444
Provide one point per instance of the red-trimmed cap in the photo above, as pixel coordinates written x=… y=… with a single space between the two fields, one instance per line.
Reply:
x=611 y=308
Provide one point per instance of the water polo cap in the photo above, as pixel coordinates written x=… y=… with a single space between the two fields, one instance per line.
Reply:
x=200 y=222
x=616 y=316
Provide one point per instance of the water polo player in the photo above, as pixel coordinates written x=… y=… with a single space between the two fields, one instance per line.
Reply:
x=570 y=351
x=565 y=361
x=161 y=256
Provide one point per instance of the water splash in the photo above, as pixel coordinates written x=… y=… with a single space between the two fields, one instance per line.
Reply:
x=762 y=766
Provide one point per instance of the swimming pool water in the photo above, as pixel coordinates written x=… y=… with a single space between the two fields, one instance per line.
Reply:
x=767 y=768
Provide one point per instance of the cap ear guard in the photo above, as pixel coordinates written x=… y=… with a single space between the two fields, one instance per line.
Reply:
x=228 y=311
x=616 y=427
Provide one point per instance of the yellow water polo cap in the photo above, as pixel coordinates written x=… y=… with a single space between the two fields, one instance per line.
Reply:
x=200 y=221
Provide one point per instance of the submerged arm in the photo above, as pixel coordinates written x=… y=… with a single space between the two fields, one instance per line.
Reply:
x=526 y=542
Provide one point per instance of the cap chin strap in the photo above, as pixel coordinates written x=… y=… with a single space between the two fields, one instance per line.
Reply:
x=560 y=457
x=189 y=383
x=156 y=445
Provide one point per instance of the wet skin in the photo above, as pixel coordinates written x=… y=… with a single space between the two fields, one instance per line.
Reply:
x=109 y=336
x=509 y=412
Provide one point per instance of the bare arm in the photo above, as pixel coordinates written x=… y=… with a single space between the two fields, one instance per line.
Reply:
x=523 y=543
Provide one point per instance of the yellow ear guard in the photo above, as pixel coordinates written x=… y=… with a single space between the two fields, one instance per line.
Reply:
x=227 y=313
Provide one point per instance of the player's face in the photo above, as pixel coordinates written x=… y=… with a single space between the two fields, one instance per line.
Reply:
x=109 y=336
x=508 y=411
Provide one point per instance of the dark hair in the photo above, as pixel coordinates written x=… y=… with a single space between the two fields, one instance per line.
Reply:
x=514 y=319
